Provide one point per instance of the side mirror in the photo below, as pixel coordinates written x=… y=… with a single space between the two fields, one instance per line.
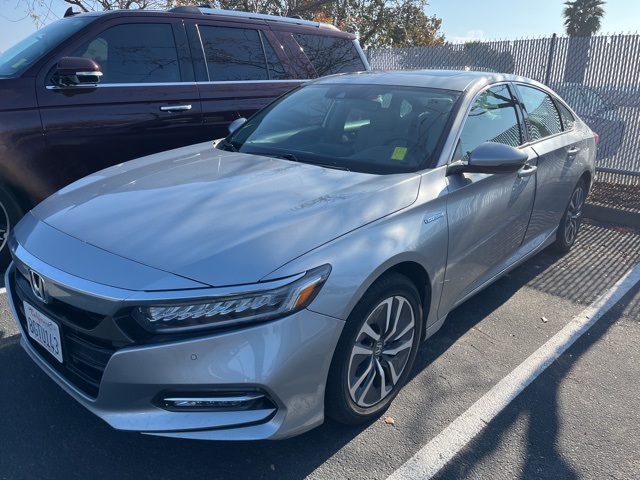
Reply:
x=236 y=124
x=77 y=72
x=491 y=157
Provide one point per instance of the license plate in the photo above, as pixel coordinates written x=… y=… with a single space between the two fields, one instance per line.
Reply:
x=44 y=331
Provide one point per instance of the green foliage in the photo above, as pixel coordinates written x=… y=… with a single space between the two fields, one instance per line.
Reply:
x=582 y=17
x=378 y=23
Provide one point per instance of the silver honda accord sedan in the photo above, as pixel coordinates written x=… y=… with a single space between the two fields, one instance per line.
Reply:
x=243 y=291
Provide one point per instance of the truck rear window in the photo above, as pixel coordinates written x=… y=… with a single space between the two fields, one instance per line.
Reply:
x=330 y=55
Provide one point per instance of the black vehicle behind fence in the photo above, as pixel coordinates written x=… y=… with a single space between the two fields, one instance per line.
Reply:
x=97 y=89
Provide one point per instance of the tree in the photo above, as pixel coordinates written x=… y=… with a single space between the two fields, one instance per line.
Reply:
x=379 y=23
x=582 y=18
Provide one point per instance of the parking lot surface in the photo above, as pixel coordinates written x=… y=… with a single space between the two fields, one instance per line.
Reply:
x=578 y=419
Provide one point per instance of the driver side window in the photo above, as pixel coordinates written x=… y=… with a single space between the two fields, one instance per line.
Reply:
x=135 y=53
x=492 y=118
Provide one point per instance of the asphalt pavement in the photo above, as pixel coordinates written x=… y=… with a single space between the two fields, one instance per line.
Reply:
x=578 y=419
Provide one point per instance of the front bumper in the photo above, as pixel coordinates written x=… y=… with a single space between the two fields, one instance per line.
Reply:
x=287 y=360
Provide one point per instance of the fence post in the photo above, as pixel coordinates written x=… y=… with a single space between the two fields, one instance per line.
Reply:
x=552 y=51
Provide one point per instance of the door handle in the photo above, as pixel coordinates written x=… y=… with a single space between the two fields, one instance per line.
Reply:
x=175 y=108
x=527 y=171
x=572 y=152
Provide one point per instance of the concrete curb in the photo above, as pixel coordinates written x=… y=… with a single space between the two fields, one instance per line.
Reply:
x=604 y=214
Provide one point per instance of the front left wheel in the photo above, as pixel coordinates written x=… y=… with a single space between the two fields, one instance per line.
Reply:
x=376 y=351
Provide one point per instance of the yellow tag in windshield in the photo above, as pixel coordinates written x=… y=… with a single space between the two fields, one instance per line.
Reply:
x=19 y=63
x=399 y=153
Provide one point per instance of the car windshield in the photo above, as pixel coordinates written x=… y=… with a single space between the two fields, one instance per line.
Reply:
x=365 y=128
x=22 y=55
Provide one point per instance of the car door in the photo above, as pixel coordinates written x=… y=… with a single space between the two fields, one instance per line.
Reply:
x=488 y=214
x=238 y=70
x=146 y=101
x=550 y=129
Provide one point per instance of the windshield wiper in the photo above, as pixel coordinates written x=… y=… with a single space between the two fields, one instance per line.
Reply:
x=285 y=156
x=332 y=165
x=293 y=158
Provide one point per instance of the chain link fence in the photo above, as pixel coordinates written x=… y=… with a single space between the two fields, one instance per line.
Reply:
x=598 y=76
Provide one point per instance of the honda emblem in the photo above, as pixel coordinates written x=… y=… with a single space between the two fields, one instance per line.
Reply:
x=38 y=287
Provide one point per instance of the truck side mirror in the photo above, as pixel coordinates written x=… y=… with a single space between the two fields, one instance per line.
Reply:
x=77 y=72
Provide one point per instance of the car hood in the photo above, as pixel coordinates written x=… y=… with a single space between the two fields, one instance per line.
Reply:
x=217 y=217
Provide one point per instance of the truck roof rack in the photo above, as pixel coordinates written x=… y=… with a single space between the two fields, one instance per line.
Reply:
x=207 y=10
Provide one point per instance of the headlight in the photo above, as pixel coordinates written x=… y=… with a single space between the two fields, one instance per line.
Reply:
x=255 y=306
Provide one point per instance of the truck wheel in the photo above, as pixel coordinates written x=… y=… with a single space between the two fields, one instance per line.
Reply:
x=10 y=214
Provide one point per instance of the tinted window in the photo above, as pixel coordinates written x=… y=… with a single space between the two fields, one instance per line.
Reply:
x=276 y=70
x=330 y=55
x=543 y=118
x=492 y=118
x=134 y=53
x=239 y=54
x=566 y=116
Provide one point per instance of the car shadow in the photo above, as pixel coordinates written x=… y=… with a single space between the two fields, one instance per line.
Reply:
x=477 y=308
x=538 y=407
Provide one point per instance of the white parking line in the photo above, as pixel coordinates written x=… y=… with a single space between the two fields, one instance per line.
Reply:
x=3 y=290
x=435 y=455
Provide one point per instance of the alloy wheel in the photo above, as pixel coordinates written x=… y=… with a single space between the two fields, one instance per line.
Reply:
x=574 y=214
x=381 y=351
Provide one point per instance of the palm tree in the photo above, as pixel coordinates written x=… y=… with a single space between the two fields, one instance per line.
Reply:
x=582 y=17
x=581 y=20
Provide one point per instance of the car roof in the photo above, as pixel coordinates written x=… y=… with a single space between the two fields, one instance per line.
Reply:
x=212 y=13
x=457 y=80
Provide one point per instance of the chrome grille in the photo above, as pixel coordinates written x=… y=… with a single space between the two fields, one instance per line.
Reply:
x=85 y=357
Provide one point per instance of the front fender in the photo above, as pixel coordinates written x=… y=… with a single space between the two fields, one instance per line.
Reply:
x=416 y=235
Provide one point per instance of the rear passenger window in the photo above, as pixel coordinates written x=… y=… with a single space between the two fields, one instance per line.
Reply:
x=330 y=55
x=276 y=70
x=492 y=118
x=234 y=54
x=543 y=118
x=566 y=116
x=134 y=53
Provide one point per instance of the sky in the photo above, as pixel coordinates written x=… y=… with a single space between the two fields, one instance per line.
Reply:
x=461 y=19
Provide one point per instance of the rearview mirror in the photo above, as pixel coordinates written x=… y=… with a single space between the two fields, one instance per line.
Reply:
x=77 y=72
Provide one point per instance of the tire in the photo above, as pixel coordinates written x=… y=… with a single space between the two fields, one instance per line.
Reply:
x=369 y=368
x=571 y=219
x=10 y=213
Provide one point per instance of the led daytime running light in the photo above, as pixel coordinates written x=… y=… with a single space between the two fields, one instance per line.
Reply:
x=253 y=306
x=225 y=307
